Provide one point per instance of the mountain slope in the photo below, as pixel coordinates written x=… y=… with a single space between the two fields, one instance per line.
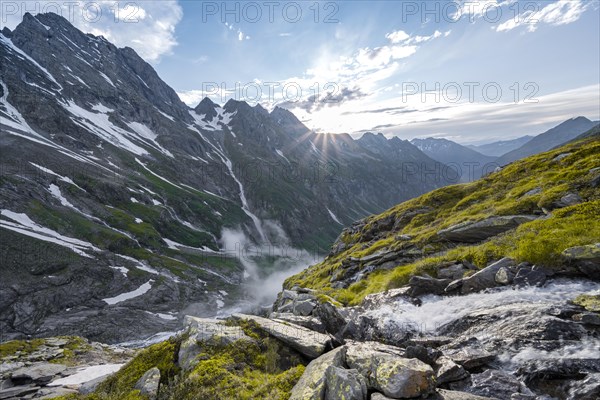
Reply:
x=464 y=164
x=497 y=149
x=556 y=136
x=531 y=211
x=120 y=203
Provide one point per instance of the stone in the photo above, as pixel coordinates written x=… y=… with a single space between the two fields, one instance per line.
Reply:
x=311 y=385
x=390 y=374
x=304 y=308
x=585 y=258
x=18 y=392
x=52 y=393
x=310 y=343
x=529 y=277
x=470 y=357
x=424 y=285
x=331 y=317
x=473 y=232
x=561 y=156
x=587 y=318
x=447 y=370
x=149 y=383
x=425 y=354
x=429 y=341
x=504 y=276
x=443 y=394
x=452 y=272
x=188 y=353
x=497 y=384
x=486 y=278
x=344 y=384
x=379 y=396
x=570 y=199
x=40 y=374
x=309 y=322
x=586 y=389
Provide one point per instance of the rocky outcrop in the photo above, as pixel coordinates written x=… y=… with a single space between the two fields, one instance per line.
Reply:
x=473 y=232
x=389 y=373
x=312 y=383
x=149 y=383
x=309 y=343
x=481 y=280
x=343 y=384
x=585 y=258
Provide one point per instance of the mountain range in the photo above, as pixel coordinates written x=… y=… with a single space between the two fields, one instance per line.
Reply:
x=118 y=199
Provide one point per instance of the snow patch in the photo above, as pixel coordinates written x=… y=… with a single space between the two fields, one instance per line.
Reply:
x=55 y=191
x=129 y=295
x=334 y=217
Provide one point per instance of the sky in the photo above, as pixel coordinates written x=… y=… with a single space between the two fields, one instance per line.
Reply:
x=469 y=71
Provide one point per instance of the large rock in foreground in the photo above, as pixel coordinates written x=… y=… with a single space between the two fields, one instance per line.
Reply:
x=311 y=385
x=391 y=374
x=473 y=232
x=310 y=343
x=585 y=258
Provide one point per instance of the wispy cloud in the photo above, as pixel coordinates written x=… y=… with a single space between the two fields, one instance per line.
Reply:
x=561 y=12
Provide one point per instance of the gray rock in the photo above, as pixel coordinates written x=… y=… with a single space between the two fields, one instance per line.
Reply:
x=470 y=357
x=40 y=374
x=586 y=389
x=452 y=272
x=344 y=384
x=588 y=318
x=529 y=277
x=429 y=341
x=497 y=384
x=52 y=393
x=304 y=308
x=443 y=394
x=447 y=370
x=91 y=386
x=486 y=278
x=309 y=322
x=310 y=343
x=425 y=354
x=424 y=285
x=331 y=317
x=570 y=199
x=188 y=351
x=379 y=396
x=149 y=383
x=311 y=385
x=473 y=232
x=18 y=392
x=504 y=276
x=561 y=156
x=389 y=373
x=585 y=258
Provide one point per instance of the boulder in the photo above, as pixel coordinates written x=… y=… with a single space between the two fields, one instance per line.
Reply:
x=148 y=384
x=425 y=354
x=424 y=285
x=443 y=394
x=447 y=370
x=18 y=392
x=497 y=384
x=530 y=277
x=504 y=276
x=470 y=357
x=310 y=343
x=305 y=307
x=309 y=322
x=331 y=317
x=588 y=318
x=586 y=389
x=570 y=199
x=452 y=272
x=311 y=385
x=40 y=373
x=486 y=278
x=473 y=232
x=585 y=258
x=206 y=330
x=344 y=384
x=389 y=373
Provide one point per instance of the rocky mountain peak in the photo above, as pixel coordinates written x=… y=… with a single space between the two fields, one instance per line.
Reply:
x=208 y=108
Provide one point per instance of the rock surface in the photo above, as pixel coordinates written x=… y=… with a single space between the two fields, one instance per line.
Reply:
x=473 y=232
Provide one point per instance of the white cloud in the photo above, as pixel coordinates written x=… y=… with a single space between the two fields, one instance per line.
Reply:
x=397 y=36
x=154 y=21
x=561 y=12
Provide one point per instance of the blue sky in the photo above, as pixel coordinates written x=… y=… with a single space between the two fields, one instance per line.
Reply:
x=377 y=59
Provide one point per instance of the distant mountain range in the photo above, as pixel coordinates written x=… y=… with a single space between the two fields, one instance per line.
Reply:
x=462 y=162
x=497 y=149
x=556 y=136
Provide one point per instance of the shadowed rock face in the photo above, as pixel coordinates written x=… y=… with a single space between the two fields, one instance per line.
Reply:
x=473 y=232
